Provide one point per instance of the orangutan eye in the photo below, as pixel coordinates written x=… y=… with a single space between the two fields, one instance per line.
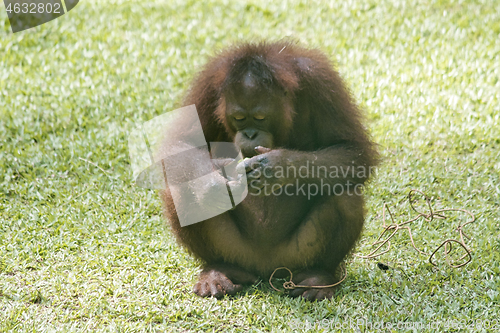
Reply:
x=259 y=117
x=239 y=117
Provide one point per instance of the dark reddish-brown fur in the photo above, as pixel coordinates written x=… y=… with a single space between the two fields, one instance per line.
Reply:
x=323 y=115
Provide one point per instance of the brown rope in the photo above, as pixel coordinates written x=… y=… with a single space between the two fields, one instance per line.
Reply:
x=289 y=285
x=393 y=228
x=428 y=217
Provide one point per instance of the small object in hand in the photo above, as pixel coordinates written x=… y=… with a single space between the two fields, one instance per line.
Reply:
x=262 y=150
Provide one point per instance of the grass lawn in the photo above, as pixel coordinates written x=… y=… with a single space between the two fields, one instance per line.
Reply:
x=83 y=249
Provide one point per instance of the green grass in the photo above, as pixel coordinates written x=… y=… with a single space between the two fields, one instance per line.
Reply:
x=82 y=249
